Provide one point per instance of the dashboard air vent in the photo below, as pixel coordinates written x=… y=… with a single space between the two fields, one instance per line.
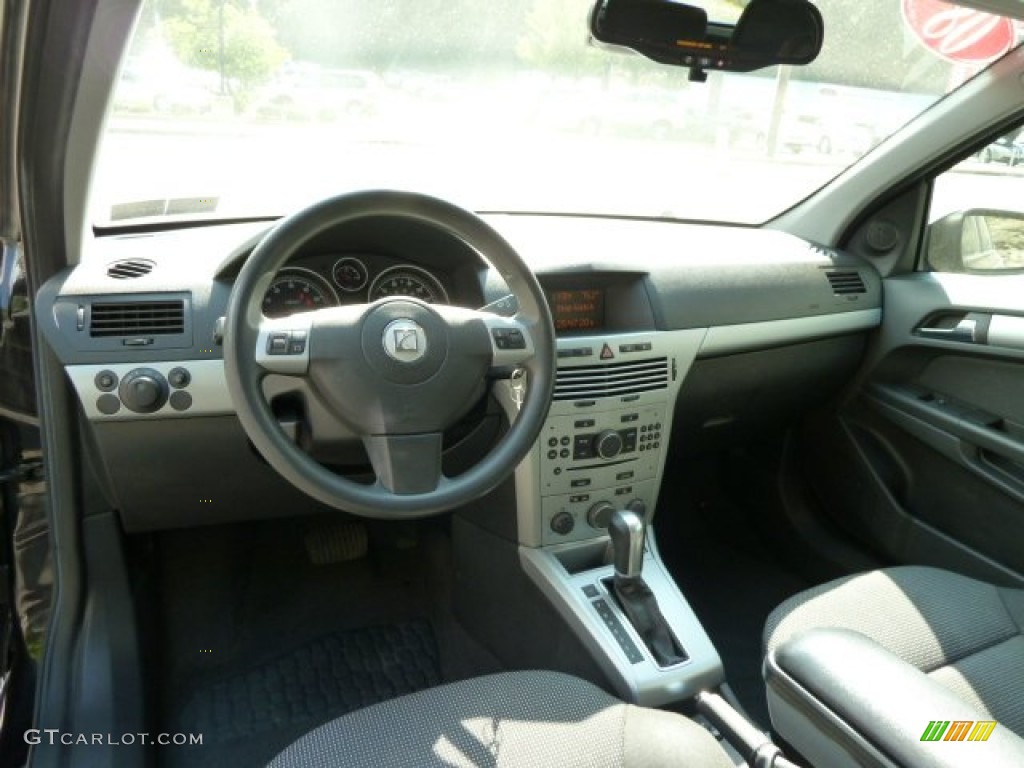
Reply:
x=129 y=269
x=611 y=380
x=137 y=318
x=846 y=282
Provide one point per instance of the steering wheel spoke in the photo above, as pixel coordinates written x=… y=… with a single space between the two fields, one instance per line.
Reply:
x=406 y=464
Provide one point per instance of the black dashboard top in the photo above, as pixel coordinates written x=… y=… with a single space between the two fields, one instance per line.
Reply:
x=686 y=275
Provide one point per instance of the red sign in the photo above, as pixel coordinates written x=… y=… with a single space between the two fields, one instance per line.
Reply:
x=961 y=35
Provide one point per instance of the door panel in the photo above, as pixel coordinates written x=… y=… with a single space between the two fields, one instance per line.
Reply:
x=925 y=461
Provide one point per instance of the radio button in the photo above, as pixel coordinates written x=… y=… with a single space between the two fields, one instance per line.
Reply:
x=582 y=447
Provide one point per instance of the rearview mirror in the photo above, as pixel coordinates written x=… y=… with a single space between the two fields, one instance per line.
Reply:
x=977 y=240
x=768 y=32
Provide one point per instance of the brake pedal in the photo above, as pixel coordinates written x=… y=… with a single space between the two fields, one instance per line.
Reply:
x=328 y=543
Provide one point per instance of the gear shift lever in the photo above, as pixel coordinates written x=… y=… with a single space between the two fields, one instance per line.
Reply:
x=626 y=529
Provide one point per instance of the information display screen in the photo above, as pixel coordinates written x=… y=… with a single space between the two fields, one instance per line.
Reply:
x=577 y=310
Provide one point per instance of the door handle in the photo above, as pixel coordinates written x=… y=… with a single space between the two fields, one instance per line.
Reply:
x=971 y=328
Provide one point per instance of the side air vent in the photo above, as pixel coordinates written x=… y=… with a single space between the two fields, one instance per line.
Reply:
x=846 y=282
x=137 y=318
x=612 y=380
x=129 y=269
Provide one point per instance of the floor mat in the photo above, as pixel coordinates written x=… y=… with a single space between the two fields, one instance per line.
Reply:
x=727 y=572
x=247 y=718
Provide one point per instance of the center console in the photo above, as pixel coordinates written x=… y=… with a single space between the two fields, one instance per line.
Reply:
x=602 y=451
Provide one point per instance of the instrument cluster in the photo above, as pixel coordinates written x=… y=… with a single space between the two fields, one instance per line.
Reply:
x=318 y=282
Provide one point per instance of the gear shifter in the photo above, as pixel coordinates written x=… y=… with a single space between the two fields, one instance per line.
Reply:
x=626 y=529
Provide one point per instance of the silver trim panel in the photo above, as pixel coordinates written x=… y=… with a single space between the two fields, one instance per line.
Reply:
x=726 y=339
x=644 y=682
x=544 y=486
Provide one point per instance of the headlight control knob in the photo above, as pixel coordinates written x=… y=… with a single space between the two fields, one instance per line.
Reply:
x=608 y=444
x=143 y=390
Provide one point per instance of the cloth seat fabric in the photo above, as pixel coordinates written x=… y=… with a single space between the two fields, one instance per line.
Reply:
x=509 y=720
x=965 y=634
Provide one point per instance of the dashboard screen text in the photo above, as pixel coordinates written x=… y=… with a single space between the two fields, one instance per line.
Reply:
x=577 y=310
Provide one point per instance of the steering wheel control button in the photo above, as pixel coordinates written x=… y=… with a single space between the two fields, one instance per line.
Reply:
x=108 y=404
x=106 y=381
x=405 y=340
x=552 y=455
x=508 y=338
x=277 y=343
x=563 y=523
x=143 y=390
x=181 y=401
x=179 y=378
x=297 y=342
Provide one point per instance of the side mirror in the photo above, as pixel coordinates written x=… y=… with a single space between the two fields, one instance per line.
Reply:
x=979 y=241
x=768 y=32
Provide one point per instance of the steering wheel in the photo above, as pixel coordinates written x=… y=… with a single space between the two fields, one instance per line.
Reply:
x=397 y=372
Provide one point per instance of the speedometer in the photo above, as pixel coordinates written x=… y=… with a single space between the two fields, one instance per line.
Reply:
x=297 y=290
x=407 y=280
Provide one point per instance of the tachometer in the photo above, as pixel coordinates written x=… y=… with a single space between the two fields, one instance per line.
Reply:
x=297 y=290
x=407 y=280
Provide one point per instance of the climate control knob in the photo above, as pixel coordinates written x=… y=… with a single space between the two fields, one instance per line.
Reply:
x=143 y=390
x=563 y=523
x=608 y=444
x=600 y=514
x=638 y=506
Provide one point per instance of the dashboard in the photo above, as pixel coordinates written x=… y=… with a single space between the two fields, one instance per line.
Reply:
x=667 y=333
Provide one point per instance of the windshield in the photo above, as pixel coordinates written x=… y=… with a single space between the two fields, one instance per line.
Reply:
x=237 y=108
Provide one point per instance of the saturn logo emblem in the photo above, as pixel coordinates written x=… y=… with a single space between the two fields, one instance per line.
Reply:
x=405 y=340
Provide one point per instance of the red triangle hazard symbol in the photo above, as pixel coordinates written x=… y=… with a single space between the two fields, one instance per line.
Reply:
x=606 y=353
